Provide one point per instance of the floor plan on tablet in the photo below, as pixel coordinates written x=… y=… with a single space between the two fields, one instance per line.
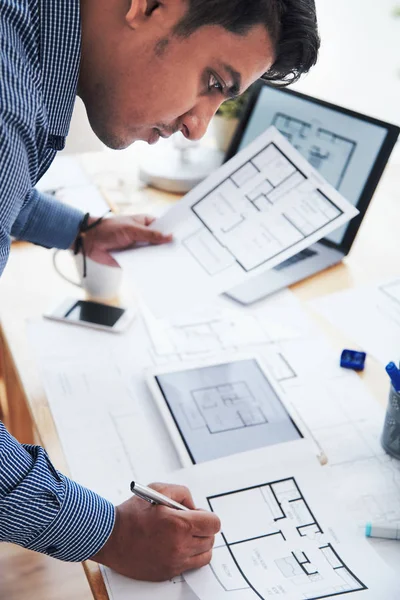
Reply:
x=229 y=406
x=221 y=408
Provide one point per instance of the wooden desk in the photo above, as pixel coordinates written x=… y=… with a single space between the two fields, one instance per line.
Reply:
x=29 y=281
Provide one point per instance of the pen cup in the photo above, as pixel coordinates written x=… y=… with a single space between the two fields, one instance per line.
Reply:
x=391 y=428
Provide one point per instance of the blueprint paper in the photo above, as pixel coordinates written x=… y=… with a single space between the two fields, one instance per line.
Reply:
x=101 y=406
x=221 y=325
x=333 y=403
x=96 y=378
x=370 y=315
x=281 y=534
x=263 y=206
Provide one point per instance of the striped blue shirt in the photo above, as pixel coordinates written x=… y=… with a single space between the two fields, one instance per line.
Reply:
x=40 y=508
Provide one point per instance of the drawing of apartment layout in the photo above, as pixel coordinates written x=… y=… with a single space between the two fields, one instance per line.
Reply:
x=277 y=546
x=325 y=150
x=227 y=407
x=237 y=224
x=219 y=329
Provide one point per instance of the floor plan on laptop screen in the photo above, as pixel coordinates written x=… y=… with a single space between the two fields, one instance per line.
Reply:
x=326 y=151
x=263 y=206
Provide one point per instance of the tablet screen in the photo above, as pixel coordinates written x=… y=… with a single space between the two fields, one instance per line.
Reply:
x=226 y=408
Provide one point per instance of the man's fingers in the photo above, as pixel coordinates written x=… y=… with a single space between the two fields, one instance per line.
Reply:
x=201 y=545
x=203 y=523
x=104 y=258
x=196 y=562
x=141 y=233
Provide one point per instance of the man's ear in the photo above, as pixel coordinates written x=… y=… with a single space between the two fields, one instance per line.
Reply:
x=139 y=11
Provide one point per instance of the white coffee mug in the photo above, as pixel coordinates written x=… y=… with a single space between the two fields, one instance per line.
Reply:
x=102 y=282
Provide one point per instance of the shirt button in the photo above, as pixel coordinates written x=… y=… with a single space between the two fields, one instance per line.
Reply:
x=51 y=549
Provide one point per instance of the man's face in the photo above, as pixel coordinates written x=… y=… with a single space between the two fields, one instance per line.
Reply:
x=141 y=82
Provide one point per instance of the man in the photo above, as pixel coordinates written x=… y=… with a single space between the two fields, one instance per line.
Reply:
x=145 y=69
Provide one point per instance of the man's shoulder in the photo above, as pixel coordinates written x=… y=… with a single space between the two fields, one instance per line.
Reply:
x=20 y=27
x=20 y=85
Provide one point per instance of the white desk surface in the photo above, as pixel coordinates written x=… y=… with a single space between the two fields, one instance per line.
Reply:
x=30 y=279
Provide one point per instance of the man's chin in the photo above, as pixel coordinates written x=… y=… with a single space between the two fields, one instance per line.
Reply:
x=114 y=142
x=113 y=139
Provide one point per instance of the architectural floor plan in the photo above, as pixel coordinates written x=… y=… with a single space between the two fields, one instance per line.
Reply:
x=260 y=208
x=218 y=328
x=237 y=213
x=228 y=406
x=277 y=544
x=325 y=150
x=281 y=535
x=225 y=407
x=107 y=421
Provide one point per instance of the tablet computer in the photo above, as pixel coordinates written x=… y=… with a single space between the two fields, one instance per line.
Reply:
x=222 y=407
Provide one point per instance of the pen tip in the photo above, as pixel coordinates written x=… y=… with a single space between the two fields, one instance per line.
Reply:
x=132 y=486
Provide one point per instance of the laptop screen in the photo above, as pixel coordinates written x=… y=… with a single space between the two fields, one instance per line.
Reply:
x=343 y=146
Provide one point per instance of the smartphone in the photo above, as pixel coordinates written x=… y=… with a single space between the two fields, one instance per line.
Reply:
x=92 y=314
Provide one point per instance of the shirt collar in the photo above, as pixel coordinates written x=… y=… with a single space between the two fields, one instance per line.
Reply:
x=60 y=52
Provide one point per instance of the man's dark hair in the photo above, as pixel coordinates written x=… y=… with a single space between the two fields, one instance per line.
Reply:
x=291 y=24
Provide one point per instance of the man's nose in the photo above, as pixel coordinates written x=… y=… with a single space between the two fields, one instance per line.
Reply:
x=196 y=121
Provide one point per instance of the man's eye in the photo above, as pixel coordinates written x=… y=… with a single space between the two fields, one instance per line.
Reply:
x=214 y=83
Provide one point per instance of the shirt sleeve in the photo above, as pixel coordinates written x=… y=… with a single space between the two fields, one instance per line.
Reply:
x=47 y=222
x=24 y=212
x=45 y=511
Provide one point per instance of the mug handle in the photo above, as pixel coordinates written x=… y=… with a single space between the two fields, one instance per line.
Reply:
x=57 y=269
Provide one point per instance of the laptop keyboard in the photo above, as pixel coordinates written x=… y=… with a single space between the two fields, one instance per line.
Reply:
x=306 y=253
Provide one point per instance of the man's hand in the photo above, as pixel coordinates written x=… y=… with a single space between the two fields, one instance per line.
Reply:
x=120 y=233
x=155 y=543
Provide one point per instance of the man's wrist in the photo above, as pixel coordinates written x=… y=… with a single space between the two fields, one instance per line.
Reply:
x=86 y=235
x=110 y=545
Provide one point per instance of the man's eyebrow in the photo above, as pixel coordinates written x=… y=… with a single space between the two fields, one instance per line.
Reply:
x=234 y=89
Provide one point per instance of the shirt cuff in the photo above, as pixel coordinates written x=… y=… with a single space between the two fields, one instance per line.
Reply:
x=43 y=510
x=81 y=528
x=47 y=222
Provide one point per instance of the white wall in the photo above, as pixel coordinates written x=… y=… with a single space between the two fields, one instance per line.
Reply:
x=81 y=137
x=359 y=65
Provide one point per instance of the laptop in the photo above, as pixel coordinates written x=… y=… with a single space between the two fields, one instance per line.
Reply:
x=349 y=149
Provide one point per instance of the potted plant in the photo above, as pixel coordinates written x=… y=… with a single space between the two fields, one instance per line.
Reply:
x=226 y=119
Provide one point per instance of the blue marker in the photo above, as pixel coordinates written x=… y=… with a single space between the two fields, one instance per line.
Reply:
x=386 y=531
x=394 y=374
